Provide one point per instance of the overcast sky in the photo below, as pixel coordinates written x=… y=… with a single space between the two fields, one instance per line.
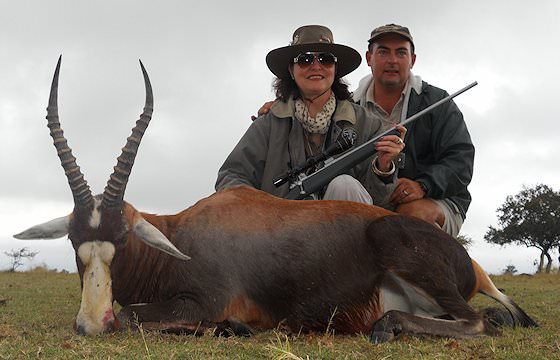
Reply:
x=206 y=61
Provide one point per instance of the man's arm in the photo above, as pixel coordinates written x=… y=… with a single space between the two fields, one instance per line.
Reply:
x=453 y=155
x=264 y=109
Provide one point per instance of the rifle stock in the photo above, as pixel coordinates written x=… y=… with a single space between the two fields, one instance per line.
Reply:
x=305 y=185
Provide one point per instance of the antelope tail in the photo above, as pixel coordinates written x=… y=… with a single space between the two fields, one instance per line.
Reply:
x=486 y=286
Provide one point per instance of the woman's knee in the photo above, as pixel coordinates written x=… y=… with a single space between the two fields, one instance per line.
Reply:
x=345 y=187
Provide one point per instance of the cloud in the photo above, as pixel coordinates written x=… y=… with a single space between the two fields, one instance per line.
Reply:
x=206 y=63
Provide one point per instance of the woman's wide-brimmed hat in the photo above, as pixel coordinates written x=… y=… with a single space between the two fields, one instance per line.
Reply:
x=312 y=38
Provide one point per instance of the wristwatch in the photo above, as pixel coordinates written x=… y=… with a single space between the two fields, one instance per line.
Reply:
x=424 y=186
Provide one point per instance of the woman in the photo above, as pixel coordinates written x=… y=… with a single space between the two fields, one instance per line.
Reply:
x=312 y=108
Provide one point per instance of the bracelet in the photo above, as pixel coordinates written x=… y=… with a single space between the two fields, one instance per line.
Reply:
x=379 y=172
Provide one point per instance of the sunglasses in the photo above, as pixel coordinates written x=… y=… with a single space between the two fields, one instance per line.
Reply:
x=307 y=59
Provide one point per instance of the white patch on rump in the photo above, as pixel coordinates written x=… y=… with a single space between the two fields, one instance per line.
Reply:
x=397 y=294
x=96 y=310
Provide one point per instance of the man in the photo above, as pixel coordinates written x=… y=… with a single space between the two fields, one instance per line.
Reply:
x=439 y=154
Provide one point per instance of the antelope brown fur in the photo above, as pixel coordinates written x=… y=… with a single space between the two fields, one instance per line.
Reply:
x=259 y=262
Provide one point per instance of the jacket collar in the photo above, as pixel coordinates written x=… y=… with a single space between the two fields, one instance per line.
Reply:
x=344 y=110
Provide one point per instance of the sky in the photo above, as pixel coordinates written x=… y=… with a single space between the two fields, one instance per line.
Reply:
x=206 y=62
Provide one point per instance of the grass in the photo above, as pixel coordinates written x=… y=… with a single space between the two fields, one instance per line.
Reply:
x=37 y=310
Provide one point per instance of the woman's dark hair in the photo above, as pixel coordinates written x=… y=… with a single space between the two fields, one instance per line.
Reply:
x=286 y=88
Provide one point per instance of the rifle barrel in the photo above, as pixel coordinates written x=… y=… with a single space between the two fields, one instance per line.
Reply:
x=309 y=184
x=438 y=103
x=428 y=109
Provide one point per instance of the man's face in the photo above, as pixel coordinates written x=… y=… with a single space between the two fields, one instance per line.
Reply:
x=390 y=58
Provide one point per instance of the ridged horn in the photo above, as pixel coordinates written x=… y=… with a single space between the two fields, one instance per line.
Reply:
x=78 y=185
x=114 y=191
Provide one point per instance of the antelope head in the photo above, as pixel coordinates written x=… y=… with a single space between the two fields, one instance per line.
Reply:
x=100 y=225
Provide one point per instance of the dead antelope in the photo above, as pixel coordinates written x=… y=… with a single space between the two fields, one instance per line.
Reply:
x=260 y=262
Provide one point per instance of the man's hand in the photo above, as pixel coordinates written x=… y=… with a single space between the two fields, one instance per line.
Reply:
x=264 y=109
x=406 y=191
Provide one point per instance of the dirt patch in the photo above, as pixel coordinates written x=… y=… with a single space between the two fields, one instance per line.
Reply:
x=7 y=331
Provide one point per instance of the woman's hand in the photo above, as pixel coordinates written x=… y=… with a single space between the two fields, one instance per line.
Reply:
x=388 y=148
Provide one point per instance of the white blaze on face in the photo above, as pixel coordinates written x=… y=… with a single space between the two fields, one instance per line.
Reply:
x=96 y=310
x=95 y=218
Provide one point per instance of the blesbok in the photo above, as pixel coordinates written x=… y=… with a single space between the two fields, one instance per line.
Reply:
x=260 y=262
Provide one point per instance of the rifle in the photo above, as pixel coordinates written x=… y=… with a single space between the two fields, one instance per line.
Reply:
x=302 y=185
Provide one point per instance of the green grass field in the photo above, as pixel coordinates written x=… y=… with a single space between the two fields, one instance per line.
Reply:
x=37 y=311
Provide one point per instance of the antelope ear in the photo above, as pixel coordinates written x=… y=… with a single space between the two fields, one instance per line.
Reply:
x=53 y=229
x=154 y=238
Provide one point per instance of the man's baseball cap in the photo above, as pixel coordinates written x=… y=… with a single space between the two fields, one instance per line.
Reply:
x=391 y=29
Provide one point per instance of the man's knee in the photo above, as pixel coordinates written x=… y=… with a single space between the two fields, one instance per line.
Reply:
x=439 y=213
x=424 y=209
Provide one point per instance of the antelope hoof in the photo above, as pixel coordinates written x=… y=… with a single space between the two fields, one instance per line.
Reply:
x=498 y=317
x=126 y=318
x=385 y=329
x=378 y=337
x=233 y=327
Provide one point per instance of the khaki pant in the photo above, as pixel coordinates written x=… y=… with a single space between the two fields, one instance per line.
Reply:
x=453 y=220
x=345 y=187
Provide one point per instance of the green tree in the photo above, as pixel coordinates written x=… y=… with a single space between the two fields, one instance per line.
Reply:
x=530 y=218
x=509 y=270
x=464 y=240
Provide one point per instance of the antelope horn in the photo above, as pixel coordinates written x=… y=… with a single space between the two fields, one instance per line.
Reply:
x=78 y=185
x=114 y=191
